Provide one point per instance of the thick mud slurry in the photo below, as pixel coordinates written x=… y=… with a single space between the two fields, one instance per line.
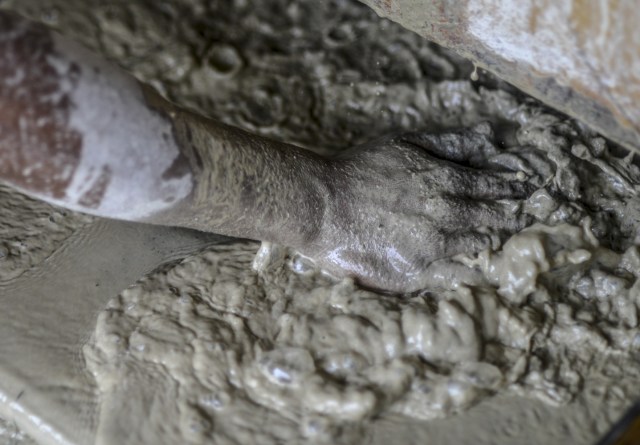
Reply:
x=243 y=343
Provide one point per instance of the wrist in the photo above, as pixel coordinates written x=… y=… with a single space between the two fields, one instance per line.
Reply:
x=300 y=201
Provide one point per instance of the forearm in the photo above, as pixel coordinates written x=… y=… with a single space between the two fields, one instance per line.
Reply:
x=246 y=185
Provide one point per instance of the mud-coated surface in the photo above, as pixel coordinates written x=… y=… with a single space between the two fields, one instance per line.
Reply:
x=211 y=349
x=580 y=57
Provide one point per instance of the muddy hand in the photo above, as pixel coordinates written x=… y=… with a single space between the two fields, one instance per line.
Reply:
x=77 y=131
x=401 y=202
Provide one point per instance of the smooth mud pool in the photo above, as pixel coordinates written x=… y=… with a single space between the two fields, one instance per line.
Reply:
x=243 y=343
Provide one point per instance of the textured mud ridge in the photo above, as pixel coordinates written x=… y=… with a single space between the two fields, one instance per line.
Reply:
x=30 y=231
x=10 y=434
x=239 y=348
x=235 y=347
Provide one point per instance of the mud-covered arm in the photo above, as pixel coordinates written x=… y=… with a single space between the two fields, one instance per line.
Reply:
x=77 y=131
x=244 y=185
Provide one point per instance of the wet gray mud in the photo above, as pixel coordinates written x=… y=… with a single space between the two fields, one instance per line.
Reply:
x=30 y=231
x=250 y=344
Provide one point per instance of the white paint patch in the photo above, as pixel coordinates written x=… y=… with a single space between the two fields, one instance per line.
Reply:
x=120 y=134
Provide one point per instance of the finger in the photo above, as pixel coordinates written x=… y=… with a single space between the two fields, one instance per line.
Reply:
x=490 y=185
x=466 y=147
x=466 y=242
x=504 y=215
x=482 y=184
x=462 y=213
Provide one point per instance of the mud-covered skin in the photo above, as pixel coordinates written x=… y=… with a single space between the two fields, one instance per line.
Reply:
x=379 y=213
x=398 y=203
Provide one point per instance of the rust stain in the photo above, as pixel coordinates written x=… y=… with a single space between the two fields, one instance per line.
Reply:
x=39 y=152
x=93 y=197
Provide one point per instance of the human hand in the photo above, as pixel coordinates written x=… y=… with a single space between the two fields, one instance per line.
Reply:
x=398 y=203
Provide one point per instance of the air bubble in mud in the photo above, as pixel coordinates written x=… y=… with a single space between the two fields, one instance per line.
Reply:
x=224 y=59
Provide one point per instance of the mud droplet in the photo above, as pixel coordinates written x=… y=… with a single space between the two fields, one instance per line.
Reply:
x=287 y=366
x=474 y=74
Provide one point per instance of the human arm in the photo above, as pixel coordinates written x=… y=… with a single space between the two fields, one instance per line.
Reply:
x=77 y=131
